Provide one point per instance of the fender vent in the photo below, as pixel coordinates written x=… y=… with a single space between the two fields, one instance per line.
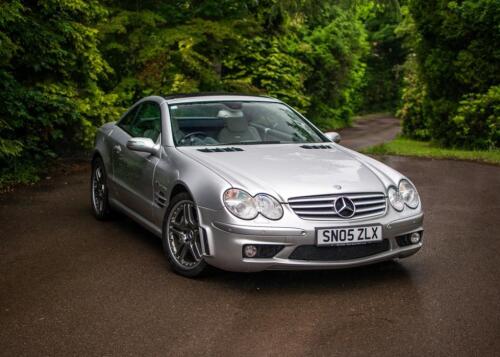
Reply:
x=204 y=241
x=229 y=149
x=319 y=146
x=160 y=196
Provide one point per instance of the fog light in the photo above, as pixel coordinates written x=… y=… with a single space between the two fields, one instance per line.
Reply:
x=415 y=238
x=250 y=251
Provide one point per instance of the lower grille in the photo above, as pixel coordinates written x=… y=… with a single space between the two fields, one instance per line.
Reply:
x=322 y=207
x=347 y=252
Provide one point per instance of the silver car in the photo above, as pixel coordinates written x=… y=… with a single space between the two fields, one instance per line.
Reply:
x=246 y=183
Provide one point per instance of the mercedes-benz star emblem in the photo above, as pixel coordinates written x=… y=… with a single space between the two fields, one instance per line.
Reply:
x=344 y=207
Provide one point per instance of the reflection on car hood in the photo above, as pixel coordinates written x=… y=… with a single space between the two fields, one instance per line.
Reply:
x=288 y=170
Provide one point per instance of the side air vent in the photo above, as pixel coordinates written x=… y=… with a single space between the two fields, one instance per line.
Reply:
x=319 y=146
x=159 y=195
x=229 y=149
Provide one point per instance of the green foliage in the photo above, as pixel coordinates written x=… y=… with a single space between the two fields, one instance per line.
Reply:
x=459 y=61
x=279 y=48
x=383 y=79
x=68 y=66
x=335 y=52
x=411 y=111
x=49 y=68
x=269 y=65
x=478 y=119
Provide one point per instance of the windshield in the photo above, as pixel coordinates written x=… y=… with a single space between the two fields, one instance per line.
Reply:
x=239 y=123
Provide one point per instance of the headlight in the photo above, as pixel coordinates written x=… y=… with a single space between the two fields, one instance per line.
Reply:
x=268 y=206
x=396 y=199
x=243 y=205
x=240 y=203
x=408 y=193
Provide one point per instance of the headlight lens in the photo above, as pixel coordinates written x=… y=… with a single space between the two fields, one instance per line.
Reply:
x=240 y=203
x=243 y=205
x=268 y=206
x=396 y=199
x=408 y=193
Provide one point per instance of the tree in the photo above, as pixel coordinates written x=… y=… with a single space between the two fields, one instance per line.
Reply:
x=458 y=56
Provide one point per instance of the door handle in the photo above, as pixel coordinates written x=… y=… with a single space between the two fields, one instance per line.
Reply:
x=117 y=149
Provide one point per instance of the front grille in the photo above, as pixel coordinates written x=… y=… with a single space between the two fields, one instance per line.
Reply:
x=322 y=207
x=345 y=252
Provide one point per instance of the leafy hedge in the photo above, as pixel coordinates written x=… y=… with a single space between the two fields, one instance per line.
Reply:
x=67 y=66
x=478 y=119
x=452 y=92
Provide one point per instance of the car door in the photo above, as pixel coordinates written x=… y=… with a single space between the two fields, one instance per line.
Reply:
x=132 y=170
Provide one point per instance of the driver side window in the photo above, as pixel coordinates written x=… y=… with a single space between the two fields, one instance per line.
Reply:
x=143 y=121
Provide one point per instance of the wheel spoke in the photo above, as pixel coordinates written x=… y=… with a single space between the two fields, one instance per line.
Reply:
x=183 y=251
x=98 y=174
x=193 y=247
x=188 y=215
x=176 y=231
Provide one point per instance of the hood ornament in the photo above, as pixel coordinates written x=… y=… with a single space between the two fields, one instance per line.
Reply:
x=337 y=187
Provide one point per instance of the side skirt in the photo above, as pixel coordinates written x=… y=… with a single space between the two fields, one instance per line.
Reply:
x=139 y=219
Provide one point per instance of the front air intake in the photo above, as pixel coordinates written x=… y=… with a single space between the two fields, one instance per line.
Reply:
x=228 y=149
x=317 y=146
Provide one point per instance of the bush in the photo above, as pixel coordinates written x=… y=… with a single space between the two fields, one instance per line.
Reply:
x=459 y=61
x=50 y=67
x=477 y=122
x=411 y=110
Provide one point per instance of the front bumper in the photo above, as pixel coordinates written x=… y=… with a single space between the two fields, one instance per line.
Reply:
x=225 y=236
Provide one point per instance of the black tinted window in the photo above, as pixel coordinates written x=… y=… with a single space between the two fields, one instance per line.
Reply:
x=129 y=118
x=145 y=122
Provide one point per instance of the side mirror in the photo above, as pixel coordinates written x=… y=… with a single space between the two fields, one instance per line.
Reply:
x=143 y=145
x=333 y=136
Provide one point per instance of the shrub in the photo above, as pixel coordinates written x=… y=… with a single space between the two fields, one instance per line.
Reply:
x=411 y=110
x=459 y=61
x=477 y=122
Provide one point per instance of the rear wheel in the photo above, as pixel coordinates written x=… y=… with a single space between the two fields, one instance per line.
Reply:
x=181 y=237
x=99 y=190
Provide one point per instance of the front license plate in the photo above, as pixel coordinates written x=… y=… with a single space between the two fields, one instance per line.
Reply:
x=348 y=235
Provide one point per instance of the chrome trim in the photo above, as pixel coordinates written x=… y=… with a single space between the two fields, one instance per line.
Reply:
x=259 y=231
x=366 y=205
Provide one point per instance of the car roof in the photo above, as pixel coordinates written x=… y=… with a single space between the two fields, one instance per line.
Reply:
x=216 y=97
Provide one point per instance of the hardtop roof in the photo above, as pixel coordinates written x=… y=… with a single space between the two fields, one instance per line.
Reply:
x=215 y=96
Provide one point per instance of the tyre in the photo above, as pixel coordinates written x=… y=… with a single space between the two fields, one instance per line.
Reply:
x=181 y=237
x=99 y=190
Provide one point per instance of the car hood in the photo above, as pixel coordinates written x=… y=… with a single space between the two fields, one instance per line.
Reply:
x=289 y=170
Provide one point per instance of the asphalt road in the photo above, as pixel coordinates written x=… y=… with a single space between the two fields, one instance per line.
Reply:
x=70 y=285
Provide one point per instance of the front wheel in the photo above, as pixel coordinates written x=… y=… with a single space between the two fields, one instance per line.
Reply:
x=99 y=190
x=181 y=237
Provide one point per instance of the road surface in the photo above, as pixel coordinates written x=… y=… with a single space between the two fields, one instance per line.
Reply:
x=70 y=285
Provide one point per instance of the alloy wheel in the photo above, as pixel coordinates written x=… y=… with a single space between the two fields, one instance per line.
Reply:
x=183 y=235
x=98 y=189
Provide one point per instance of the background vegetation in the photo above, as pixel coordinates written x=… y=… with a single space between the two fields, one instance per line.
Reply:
x=68 y=66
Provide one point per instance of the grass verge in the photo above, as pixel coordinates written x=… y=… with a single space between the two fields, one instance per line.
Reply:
x=407 y=147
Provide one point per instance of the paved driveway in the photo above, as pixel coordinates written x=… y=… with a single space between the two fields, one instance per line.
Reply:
x=70 y=285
